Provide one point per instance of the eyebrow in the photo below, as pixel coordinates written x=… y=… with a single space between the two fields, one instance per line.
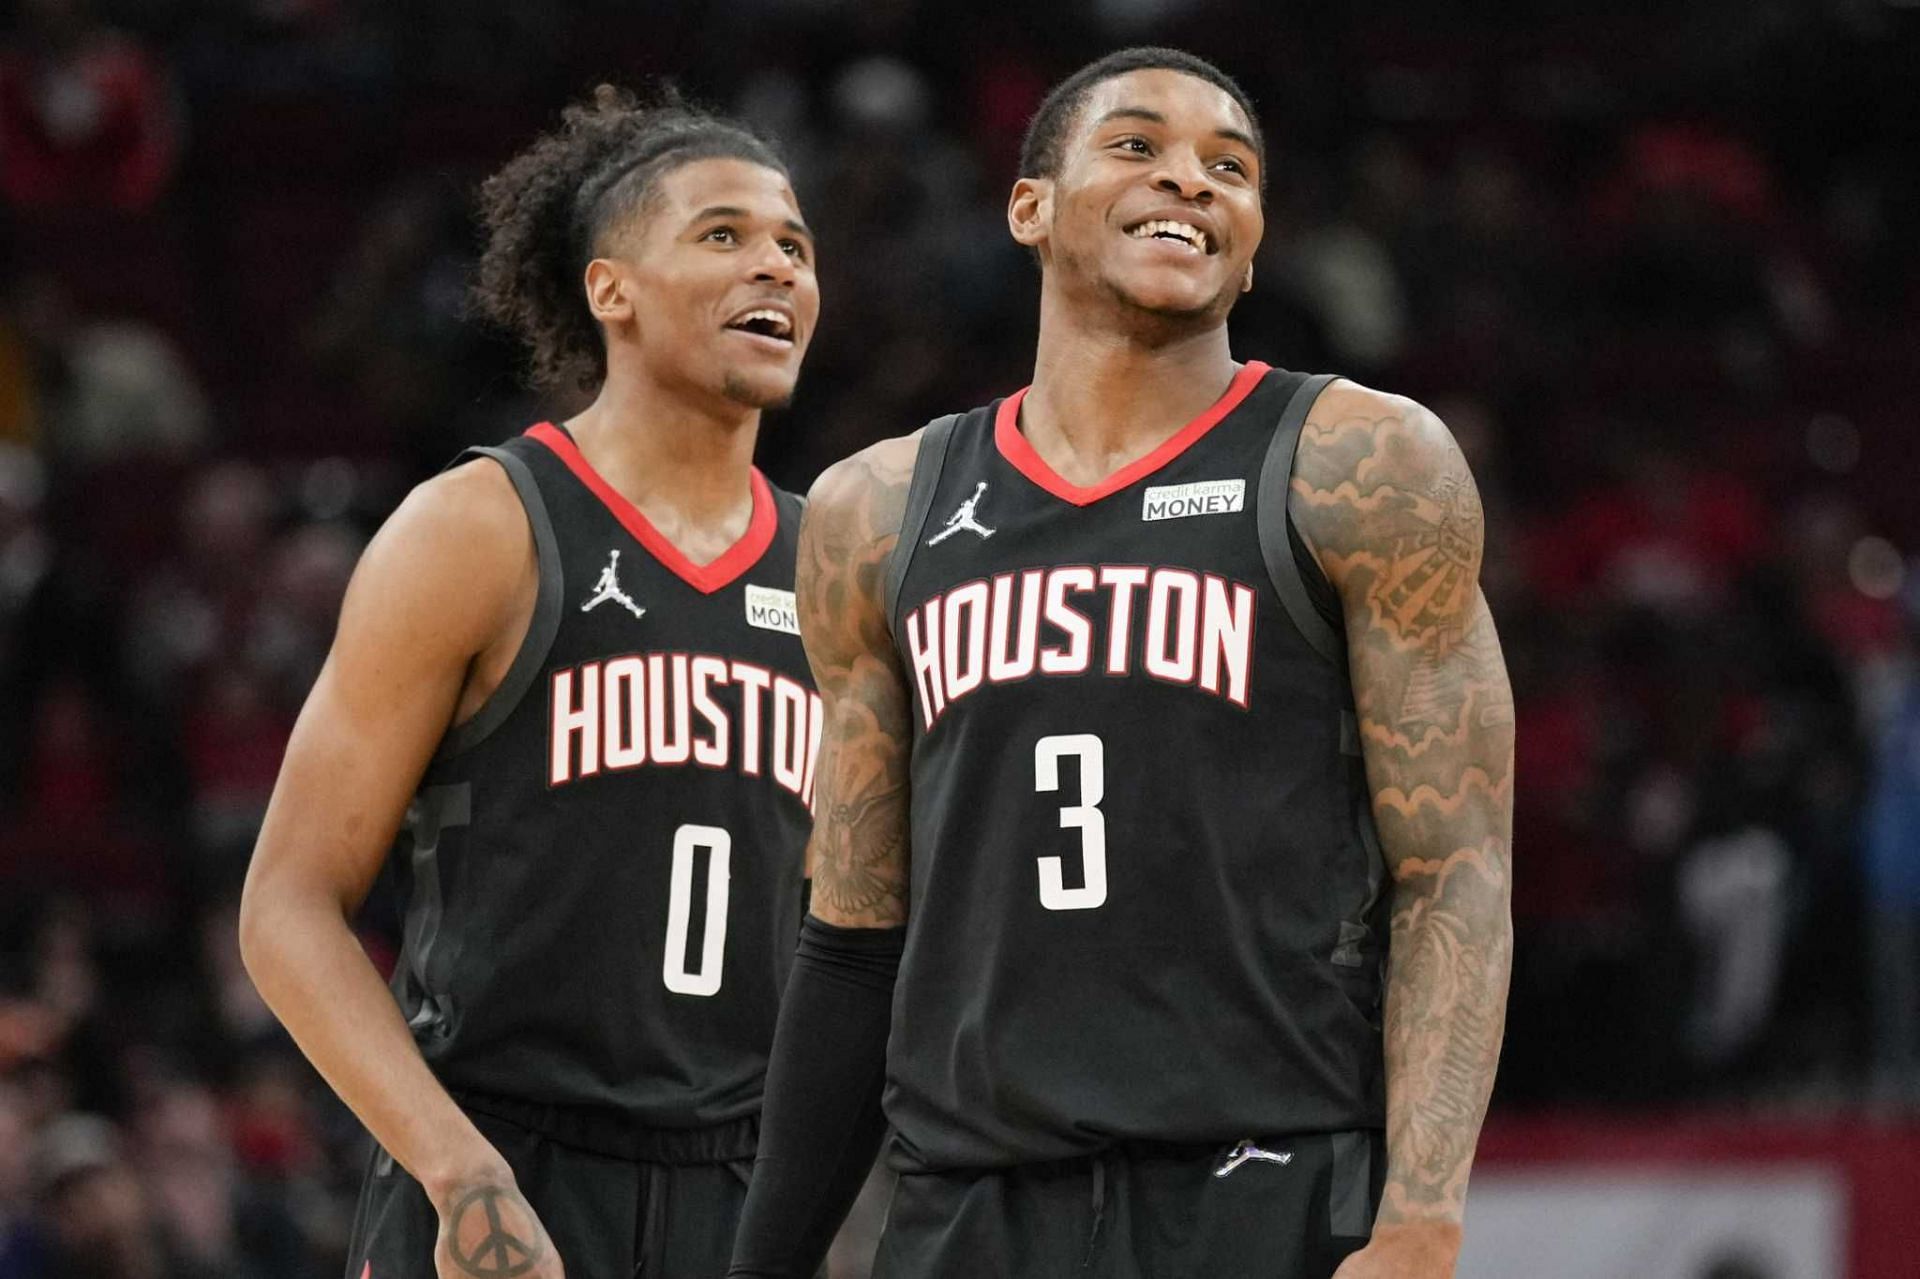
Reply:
x=1154 y=117
x=734 y=211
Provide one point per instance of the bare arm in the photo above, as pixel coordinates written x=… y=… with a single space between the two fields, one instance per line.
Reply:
x=858 y=851
x=1385 y=498
x=821 y=1124
x=441 y=595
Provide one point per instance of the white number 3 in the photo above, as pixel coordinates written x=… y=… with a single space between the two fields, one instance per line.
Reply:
x=1054 y=893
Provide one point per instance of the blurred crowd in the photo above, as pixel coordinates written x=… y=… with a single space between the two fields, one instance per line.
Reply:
x=1652 y=263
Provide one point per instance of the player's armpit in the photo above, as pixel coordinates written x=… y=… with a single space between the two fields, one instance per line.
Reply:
x=1383 y=496
x=858 y=852
x=442 y=594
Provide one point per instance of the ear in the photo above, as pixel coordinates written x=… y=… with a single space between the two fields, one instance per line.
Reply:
x=607 y=293
x=1030 y=210
x=1246 y=285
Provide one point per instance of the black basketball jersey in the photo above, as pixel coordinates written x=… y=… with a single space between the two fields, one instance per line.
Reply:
x=1146 y=895
x=605 y=863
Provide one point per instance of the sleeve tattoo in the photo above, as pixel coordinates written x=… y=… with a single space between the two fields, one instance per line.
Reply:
x=858 y=851
x=1387 y=502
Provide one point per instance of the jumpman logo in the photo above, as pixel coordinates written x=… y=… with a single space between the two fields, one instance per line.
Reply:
x=963 y=519
x=608 y=588
x=1246 y=1151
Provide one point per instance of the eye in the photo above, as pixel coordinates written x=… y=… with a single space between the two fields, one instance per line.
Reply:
x=1135 y=143
x=722 y=235
x=794 y=249
x=1231 y=165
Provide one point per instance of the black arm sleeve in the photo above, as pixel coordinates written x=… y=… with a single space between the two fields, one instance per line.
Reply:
x=821 y=1125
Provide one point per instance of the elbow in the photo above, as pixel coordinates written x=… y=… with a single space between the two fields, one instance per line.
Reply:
x=268 y=913
x=256 y=948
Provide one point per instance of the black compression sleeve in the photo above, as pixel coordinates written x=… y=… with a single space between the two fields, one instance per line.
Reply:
x=821 y=1125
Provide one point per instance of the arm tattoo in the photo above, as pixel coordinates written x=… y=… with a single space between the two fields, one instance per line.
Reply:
x=1388 y=504
x=492 y=1233
x=858 y=851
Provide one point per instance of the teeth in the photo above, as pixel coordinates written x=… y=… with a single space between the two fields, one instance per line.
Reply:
x=1193 y=235
x=780 y=323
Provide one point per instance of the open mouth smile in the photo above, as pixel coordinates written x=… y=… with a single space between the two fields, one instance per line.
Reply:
x=771 y=323
x=1173 y=231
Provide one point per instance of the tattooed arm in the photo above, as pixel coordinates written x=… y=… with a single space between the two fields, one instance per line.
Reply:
x=858 y=852
x=821 y=1124
x=1384 y=498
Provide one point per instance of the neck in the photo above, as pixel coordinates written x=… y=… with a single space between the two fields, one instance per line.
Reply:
x=684 y=461
x=1110 y=387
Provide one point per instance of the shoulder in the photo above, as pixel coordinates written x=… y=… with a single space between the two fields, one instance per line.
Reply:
x=1374 y=469
x=865 y=495
x=458 y=548
x=887 y=463
x=1395 y=437
x=470 y=511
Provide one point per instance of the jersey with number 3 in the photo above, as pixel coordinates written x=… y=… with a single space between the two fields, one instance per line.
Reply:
x=604 y=866
x=1145 y=894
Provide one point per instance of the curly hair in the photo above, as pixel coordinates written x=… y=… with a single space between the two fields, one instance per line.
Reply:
x=547 y=211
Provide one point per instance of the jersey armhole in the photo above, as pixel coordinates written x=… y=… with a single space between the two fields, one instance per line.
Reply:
x=1278 y=535
x=541 y=627
x=927 y=465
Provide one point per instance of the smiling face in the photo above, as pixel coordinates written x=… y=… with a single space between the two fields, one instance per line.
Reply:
x=1156 y=204
x=712 y=285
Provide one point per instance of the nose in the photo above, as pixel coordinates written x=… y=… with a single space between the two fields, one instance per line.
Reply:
x=772 y=264
x=1181 y=174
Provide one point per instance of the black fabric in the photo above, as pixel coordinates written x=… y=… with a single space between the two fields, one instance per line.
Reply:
x=608 y=1217
x=603 y=890
x=913 y=519
x=1279 y=539
x=613 y=1133
x=1144 y=890
x=822 y=1123
x=1141 y=1212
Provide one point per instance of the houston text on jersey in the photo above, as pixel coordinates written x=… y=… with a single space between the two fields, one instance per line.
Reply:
x=670 y=709
x=1194 y=628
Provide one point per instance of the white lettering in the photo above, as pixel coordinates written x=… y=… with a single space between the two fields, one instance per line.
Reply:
x=569 y=719
x=1171 y=622
x=1226 y=638
x=623 y=685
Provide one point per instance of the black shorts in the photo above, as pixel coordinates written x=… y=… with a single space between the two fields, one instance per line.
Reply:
x=1292 y=1209
x=610 y=1216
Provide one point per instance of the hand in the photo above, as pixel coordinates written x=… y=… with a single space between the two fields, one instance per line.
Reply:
x=488 y=1230
x=1415 y=1250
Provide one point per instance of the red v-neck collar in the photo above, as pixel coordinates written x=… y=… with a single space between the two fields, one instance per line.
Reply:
x=705 y=578
x=1015 y=447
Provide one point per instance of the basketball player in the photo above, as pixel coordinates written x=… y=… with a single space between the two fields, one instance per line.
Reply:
x=1144 y=733
x=569 y=667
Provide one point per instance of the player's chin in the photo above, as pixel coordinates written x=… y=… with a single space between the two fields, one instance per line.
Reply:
x=1178 y=303
x=760 y=388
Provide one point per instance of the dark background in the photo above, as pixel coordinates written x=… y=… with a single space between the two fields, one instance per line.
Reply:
x=1651 y=261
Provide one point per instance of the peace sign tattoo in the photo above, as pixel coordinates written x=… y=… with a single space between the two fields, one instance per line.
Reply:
x=488 y=1249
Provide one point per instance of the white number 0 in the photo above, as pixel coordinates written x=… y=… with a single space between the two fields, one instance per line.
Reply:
x=719 y=846
x=1054 y=893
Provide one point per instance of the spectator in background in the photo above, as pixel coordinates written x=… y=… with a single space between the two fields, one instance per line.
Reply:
x=86 y=118
x=106 y=390
x=100 y=1222
x=216 y=1222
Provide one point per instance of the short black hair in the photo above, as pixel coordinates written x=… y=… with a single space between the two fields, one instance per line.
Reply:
x=1041 y=151
x=546 y=211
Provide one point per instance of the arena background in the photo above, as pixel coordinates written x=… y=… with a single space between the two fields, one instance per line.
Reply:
x=1653 y=262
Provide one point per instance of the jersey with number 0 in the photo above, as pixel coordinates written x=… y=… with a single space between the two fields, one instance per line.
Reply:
x=1145 y=893
x=604 y=865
